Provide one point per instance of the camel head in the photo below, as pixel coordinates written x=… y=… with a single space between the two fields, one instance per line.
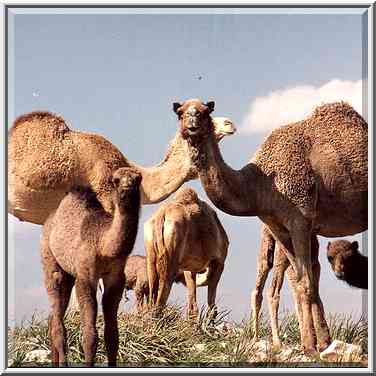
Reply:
x=223 y=126
x=194 y=118
x=126 y=182
x=341 y=255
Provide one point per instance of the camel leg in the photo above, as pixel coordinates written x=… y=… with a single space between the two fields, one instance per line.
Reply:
x=152 y=275
x=320 y=324
x=139 y=293
x=113 y=291
x=59 y=286
x=87 y=299
x=280 y=265
x=216 y=269
x=166 y=278
x=264 y=265
x=301 y=241
x=190 y=280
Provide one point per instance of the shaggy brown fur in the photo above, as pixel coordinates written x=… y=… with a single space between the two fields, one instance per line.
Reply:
x=273 y=257
x=47 y=159
x=184 y=234
x=348 y=263
x=302 y=176
x=80 y=244
x=136 y=279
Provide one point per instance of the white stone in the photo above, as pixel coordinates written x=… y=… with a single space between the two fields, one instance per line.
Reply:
x=40 y=356
x=199 y=347
x=339 y=351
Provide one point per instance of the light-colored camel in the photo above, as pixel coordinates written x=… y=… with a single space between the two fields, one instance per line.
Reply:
x=301 y=177
x=47 y=159
x=136 y=279
x=273 y=257
x=184 y=234
x=80 y=244
x=347 y=263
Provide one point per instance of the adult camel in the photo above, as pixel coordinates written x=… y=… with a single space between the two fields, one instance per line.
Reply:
x=47 y=159
x=301 y=177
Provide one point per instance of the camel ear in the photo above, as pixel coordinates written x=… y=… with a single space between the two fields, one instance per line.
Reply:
x=176 y=106
x=210 y=105
x=354 y=245
x=115 y=181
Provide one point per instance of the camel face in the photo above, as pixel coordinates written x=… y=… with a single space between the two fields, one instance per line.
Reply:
x=339 y=254
x=194 y=118
x=127 y=183
x=223 y=126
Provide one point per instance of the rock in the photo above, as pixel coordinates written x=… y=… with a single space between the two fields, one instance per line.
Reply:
x=39 y=356
x=199 y=347
x=340 y=351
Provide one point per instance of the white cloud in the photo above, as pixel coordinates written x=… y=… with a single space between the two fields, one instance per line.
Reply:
x=293 y=104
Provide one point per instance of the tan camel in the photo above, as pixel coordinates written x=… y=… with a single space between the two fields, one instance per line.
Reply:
x=80 y=244
x=184 y=234
x=48 y=159
x=273 y=257
x=301 y=177
x=348 y=263
x=136 y=279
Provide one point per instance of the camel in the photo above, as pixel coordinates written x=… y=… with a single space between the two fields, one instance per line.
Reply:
x=80 y=244
x=136 y=279
x=272 y=256
x=48 y=159
x=184 y=234
x=300 y=178
x=348 y=263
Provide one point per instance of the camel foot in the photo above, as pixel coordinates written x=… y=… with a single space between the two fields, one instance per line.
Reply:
x=277 y=345
x=323 y=345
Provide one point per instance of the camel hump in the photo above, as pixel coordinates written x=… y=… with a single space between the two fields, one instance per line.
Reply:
x=332 y=113
x=43 y=119
x=186 y=195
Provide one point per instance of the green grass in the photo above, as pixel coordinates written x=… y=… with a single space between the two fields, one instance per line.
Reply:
x=172 y=340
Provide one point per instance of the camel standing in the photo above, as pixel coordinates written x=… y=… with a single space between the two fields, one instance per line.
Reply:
x=301 y=177
x=80 y=244
x=348 y=263
x=136 y=279
x=184 y=234
x=272 y=256
x=47 y=159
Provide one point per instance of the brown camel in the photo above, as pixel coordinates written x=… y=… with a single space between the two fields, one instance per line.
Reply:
x=272 y=256
x=184 y=234
x=348 y=263
x=301 y=177
x=82 y=243
x=47 y=159
x=136 y=279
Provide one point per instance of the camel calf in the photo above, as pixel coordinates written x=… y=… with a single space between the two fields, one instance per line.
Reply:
x=184 y=234
x=348 y=263
x=272 y=256
x=80 y=244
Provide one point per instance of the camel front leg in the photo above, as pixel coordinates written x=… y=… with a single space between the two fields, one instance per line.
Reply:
x=320 y=324
x=113 y=291
x=216 y=269
x=264 y=265
x=306 y=288
x=190 y=280
x=87 y=300
x=280 y=265
x=139 y=293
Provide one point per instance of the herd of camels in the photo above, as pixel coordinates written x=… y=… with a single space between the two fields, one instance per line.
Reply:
x=308 y=178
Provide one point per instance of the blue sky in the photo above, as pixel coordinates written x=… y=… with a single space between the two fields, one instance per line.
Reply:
x=118 y=74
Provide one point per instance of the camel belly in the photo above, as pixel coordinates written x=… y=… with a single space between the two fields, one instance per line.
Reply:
x=29 y=205
x=345 y=216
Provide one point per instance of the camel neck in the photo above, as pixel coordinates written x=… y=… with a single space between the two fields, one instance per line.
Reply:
x=160 y=181
x=358 y=276
x=236 y=192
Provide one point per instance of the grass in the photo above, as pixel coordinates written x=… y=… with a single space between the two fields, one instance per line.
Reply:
x=172 y=340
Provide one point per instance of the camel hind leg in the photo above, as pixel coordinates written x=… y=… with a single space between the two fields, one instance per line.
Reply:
x=216 y=269
x=59 y=286
x=190 y=280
